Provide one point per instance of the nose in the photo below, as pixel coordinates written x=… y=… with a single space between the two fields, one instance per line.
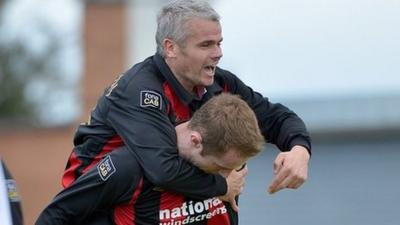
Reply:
x=217 y=53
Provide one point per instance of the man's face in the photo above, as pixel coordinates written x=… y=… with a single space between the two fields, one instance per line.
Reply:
x=196 y=61
x=218 y=164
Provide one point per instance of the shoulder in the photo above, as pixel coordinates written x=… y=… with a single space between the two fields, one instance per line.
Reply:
x=119 y=164
x=142 y=75
x=222 y=75
x=227 y=79
x=141 y=86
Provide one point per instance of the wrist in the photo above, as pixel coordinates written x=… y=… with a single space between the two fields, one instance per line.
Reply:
x=301 y=150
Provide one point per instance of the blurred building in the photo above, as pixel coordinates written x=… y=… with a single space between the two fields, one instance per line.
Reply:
x=37 y=156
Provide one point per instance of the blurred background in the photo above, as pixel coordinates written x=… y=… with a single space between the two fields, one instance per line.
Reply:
x=336 y=63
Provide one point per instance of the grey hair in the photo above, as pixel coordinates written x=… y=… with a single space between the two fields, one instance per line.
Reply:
x=172 y=19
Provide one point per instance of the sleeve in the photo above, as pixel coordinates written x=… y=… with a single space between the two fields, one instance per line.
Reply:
x=138 y=113
x=112 y=181
x=279 y=125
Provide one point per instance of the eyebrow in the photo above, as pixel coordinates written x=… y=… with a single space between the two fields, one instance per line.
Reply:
x=211 y=41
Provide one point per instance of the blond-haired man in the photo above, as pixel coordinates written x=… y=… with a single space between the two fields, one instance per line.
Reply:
x=220 y=137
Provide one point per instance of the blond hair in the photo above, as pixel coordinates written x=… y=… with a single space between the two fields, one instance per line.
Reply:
x=227 y=122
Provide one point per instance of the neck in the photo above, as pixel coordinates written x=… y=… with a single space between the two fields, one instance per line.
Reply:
x=185 y=83
x=189 y=87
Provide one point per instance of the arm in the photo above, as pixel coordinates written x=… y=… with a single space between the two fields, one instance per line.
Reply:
x=146 y=130
x=284 y=128
x=102 y=187
x=279 y=125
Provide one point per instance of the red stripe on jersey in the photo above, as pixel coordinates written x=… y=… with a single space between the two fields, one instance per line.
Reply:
x=125 y=214
x=69 y=175
x=182 y=112
x=226 y=88
x=74 y=163
x=172 y=208
x=112 y=144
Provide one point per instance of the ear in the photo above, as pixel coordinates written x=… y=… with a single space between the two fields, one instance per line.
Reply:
x=196 y=140
x=170 y=48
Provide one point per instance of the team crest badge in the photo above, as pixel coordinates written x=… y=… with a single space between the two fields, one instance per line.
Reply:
x=150 y=99
x=106 y=168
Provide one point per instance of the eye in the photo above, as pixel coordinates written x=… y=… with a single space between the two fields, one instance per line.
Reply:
x=205 y=44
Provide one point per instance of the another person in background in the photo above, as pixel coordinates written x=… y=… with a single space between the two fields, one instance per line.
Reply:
x=10 y=202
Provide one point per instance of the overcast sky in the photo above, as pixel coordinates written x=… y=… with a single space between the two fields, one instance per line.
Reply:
x=284 y=49
x=300 y=49
x=313 y=48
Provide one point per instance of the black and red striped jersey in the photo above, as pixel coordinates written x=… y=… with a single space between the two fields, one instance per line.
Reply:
x=139 y=111
x=115 y=192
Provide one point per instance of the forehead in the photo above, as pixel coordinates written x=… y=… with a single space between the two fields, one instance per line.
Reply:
x=202 y=30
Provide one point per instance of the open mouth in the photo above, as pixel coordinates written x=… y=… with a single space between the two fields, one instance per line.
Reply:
x=210 y=69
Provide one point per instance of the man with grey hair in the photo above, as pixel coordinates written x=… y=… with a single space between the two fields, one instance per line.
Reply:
x=189 y=38
x=140 y=109
x=172 y=21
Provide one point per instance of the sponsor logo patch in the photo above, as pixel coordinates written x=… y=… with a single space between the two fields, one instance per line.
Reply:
x=106 y=168
x=194 y=212
x=12 y=191
x=150 y=99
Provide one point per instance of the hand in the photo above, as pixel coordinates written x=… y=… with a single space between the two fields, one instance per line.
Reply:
x=235 y=181
x=290 y=169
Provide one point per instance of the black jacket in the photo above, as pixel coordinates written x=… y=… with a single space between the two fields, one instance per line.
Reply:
x=116 y=192
x=141 y=108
